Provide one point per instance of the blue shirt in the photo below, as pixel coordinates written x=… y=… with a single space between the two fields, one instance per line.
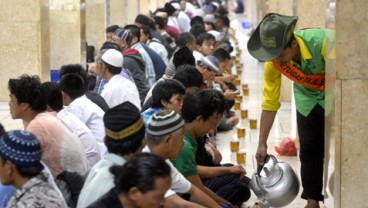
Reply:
x=147 y=115
x=5 y=193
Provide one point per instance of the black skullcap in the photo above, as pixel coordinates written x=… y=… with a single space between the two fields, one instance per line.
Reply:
x=142 y=19
x=124 y=121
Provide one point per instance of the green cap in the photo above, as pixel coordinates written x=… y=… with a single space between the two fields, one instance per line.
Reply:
x=271 y=36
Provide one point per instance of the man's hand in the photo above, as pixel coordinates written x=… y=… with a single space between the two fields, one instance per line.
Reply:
x=230 y=94
x=261 y=154
x=228 y=78
x=238 y=170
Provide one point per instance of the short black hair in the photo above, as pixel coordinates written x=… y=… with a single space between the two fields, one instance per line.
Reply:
x=140 y=172
x=222 y=54
x=27 y=172
x=74 y=68
x=134 y=30
x=197 y=29
x=203 y=37
x=27 y=90
x=165 y=90
x=73 y=85
x=224 y=19
x=184 y=38
x=112 y=69
x=203 y=103
x=146 y=30
x=2 y=130
x=111 y=28
x=189 y=76
x=197 y=20
x=53 y=95
x=109 y=45
x=125 y=146
x=160 y=22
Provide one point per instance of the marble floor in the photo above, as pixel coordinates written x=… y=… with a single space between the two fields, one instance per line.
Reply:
x=284 y=125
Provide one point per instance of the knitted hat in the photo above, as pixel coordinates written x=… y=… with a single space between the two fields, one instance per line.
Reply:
x=113 y=57
x=164 y=122
x=210 y=62
x=123 y=122
x=21 y=148
x=142 y=19
x=124 y=35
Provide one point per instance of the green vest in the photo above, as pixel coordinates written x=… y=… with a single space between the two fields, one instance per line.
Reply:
x=312 y=62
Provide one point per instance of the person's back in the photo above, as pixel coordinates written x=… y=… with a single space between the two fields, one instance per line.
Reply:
x=62 y=151
x=91 y=115
x=89 y=143
x=124 y=135
x=134 y=62
x=158 y=64
x=37 y=192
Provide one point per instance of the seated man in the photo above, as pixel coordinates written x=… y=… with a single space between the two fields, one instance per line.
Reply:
x=140 y=182
x=125 y=131
x=61 y=149
x=165 y=95
x=202 y=110
x=24 y=171
x=164 y=137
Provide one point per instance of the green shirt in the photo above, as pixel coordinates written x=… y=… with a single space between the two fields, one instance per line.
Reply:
x=185 y=162
x=312 y=48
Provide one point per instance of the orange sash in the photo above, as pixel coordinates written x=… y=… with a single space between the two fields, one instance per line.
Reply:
x=314 y=81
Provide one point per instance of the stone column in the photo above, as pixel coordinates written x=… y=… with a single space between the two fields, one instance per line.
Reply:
x=132 y=11
x=24 y=41
x=116 y=12
x=311 y=13
x=351 y=121
x=95 y=22
x=144 y=6
x=67 y=32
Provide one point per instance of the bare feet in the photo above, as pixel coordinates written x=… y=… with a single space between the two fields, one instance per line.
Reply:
x=230 y=114
x=233 y=121
x=312 y=204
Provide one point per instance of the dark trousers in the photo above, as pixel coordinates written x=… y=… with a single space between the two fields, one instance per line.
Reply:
x=312 y=145
x=230 y=187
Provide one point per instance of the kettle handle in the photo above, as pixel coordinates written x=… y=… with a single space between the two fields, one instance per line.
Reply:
x=260 y=167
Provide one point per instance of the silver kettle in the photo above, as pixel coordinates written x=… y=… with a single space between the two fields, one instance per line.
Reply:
x=275 y=183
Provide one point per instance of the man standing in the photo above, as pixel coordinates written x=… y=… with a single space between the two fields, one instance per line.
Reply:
x=300 y=56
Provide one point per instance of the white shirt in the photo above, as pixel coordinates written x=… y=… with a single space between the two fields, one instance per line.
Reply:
x=184 y=22
x=118 y=90
x=92 y=116
x=159 y=49
x=88 y=141
x=179 y=183
x=173 y=22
